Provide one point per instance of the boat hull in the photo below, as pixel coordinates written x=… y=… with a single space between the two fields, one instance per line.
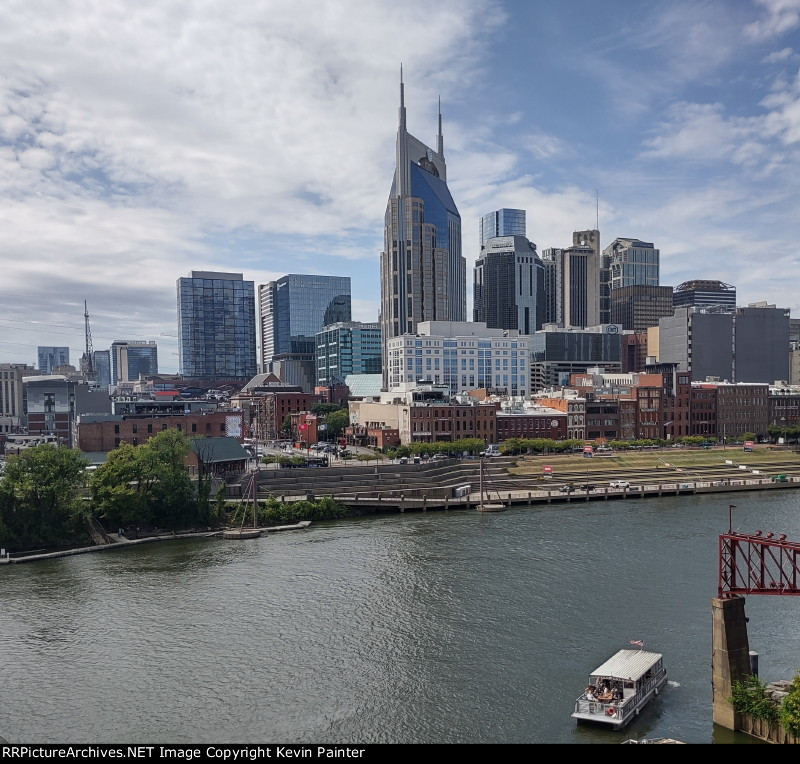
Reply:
x=596 y=713
x=241 y=534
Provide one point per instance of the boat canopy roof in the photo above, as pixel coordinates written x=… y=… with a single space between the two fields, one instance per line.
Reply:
x=628 y=664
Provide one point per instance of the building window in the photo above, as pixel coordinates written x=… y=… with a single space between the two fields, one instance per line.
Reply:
x=116 y=431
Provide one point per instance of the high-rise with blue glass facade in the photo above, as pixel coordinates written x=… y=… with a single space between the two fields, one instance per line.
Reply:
x=423 y=273
x=132 y=358
x=503 y=222
x=292 y=310
x=348 y=348
x=49 y=357
x=216 y=326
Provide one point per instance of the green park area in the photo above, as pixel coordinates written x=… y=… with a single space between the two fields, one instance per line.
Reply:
x=668 y=459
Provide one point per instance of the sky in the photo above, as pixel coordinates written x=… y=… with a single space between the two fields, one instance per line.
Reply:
x=140 y=140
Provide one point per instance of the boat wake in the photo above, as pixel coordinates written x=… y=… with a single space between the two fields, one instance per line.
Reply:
x=673 y=684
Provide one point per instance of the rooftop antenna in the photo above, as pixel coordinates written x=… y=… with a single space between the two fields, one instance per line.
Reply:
x=87 y=362
x=440 y=137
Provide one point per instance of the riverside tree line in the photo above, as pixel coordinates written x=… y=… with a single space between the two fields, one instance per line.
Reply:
x=49 y=499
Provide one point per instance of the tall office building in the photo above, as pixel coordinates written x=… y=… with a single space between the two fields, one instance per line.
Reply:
x=509 y=285
x=292 y=310
x=503 y=222
x=632 y=261
x=346 y=348
x=50 y=357
x=130 y=358
x=639 y=306
x=216 y=326
x=102 y=367
x=423 y=273
x=12 y=411
x=572 y=282
x=704 y=293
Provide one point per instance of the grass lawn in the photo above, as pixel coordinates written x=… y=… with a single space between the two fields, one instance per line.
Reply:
x=654 y=459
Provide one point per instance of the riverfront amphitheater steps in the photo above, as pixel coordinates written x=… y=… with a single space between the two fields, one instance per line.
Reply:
x=439 y=477
x=432 y=484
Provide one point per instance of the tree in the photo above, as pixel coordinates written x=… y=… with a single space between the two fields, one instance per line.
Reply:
x=119 y=488
x=336 y=422
x=40 y=498
x=321 y=409
x=286 y=426
x=140 y=485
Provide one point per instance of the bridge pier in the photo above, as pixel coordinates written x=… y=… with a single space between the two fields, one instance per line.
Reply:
x=730 y=657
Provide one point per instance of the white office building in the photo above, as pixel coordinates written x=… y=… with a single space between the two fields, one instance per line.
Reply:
x=461 y=355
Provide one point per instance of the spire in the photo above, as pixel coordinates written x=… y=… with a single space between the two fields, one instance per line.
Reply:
x=440 y=137
x=402 y=111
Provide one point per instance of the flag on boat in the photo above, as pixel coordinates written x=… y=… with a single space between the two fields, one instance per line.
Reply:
x=637 y=642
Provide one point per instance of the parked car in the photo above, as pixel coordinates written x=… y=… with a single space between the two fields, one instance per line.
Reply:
x=619 y=484
x=567 y=488
x=438 y=457
x=586 y=487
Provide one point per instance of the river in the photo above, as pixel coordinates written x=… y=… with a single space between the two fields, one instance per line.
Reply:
x=445 y=627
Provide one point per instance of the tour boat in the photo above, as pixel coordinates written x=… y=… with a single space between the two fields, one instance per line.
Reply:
x=634 y=677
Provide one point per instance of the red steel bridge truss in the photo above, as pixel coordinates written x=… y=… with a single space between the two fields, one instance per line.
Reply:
x=758 y=563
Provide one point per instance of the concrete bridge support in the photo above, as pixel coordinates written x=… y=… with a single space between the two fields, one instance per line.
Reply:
x=730 y=657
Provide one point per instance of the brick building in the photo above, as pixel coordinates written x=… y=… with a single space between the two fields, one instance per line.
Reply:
x=531 y=423
x=106 y=432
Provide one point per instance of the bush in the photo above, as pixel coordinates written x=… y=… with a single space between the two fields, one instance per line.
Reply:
x=789 y=712
x=748 y=698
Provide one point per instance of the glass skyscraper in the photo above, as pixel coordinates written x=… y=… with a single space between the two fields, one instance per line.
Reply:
x=509 y=285
x=130 y=358
x=216 y=326
x=102 y=367
x=423 y=273
x=503 y=222
x=50 y=357
x=632 y=261
x=348 y=348
x=292 y=310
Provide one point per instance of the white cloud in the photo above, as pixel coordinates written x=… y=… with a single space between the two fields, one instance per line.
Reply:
x=780 y=17
x=138 y=139
x=778 y=56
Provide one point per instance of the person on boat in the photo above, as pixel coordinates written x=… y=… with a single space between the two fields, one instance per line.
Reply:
x=616 y=695
x=590 y=695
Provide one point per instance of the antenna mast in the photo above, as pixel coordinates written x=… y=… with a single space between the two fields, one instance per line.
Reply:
x=87 y=362
x=597 y=208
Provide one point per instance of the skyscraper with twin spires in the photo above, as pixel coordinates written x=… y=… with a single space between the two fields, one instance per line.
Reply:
x=423 y=274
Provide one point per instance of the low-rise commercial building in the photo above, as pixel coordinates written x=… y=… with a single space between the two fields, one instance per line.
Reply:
x=98 y=433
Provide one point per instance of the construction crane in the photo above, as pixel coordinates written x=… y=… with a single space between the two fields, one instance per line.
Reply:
x=87 y=361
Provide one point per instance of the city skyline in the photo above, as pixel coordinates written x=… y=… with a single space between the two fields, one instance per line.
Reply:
x=129 y=159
